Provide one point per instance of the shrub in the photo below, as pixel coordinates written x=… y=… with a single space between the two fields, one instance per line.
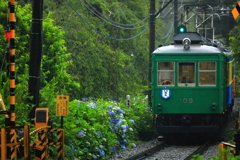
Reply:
x=97 y=129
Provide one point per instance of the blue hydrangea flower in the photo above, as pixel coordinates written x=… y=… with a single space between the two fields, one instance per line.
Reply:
x=125 y=141
x=116 y=128
x=86 y=149
x=118 y=142
x=119 y=122
x=120 y=111
x=124 y=127
x=124 y=135
x=114 y=149
x=121 y=115
x=123 y=147
x=132 y=121
x=134 y=145
x=93 y=105
x=110 y=106
x=101 y=146
x=125 y=130
x=101 y=152
x=112 y=113
x=104 y=139
x=84 y=99
x=99 y=133
x=81 y=133
x=114 y=121
x=94 y=157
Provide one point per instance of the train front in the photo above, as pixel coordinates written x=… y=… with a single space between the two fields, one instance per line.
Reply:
x=189 y=86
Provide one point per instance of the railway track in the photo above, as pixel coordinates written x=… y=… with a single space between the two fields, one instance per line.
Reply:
x=163 y=151
x=148 y=152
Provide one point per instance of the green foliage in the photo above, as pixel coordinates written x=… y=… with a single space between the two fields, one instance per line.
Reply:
x=103 y=66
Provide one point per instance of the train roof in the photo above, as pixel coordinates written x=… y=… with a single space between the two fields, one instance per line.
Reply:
x=179 y=48
x=190 y=42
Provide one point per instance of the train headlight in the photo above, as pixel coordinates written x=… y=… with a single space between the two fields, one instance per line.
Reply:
x=186 y=43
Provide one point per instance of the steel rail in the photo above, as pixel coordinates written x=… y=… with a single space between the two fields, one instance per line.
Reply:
x=148 y=152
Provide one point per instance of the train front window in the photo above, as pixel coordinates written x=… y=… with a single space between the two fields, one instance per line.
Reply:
x=165 y=73
x=207 y=73
x=186 y=74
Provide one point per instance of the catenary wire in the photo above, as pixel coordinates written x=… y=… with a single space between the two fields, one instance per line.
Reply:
x=121 y=24
x=170 y=30
x=108 y=20
x=101 y=32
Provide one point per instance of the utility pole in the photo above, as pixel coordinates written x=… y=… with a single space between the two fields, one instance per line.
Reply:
x=175 y=16
x=152 y=40
x=35 y=55
x=151 y=44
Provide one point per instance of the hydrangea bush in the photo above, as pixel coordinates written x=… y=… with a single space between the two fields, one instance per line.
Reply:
x=97 y=129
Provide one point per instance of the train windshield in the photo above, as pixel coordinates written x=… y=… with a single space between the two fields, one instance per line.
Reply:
x=186 y=74
x=207 y=73
x=165 y=73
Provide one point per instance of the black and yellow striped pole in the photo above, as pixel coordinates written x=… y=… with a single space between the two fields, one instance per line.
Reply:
x=12 y=62
x=12 y=68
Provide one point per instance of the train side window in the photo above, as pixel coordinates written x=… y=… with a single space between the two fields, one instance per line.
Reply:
x=207 y=73
x=165 y=73
x=186 y=74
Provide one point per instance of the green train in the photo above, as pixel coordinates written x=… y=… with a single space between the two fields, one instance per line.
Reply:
x=193 y=85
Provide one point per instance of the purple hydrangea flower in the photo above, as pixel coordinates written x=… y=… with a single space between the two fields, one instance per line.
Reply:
x=81 y=133
x=21 y=132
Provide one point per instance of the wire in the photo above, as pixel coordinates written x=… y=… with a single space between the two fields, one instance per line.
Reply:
x=171 y=27
x=121 y=24
x=101 y=32
x=99 y=15
x=167 y=33
x=169 y=36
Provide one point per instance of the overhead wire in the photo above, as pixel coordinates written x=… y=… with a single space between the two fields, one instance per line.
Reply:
x=171 y=27
x=119 y=25
x=169 y=33
x=98 y=30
